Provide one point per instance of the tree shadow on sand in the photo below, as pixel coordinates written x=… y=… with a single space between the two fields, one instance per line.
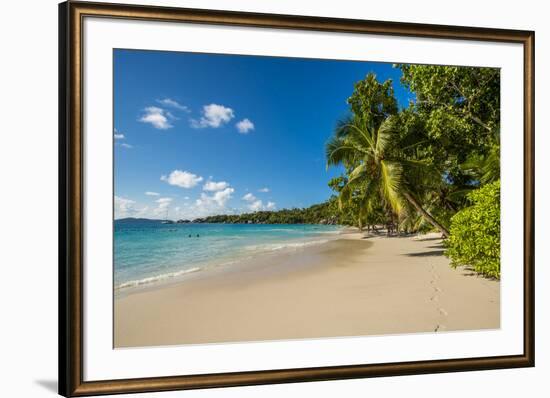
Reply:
x=438 y=246
x=431 y=253
x=383 y=234
x=425 y=239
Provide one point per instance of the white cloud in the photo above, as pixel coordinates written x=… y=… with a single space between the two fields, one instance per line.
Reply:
x=183 y=179
x=157 y=117
x=218 y=199
x=162 y=206
x=245 y=126
x=212 y=204
x=164 y=201
x=213 y=115
x=174 y=104
x=217 y=202
x=118 y=135
x=215 y=186
x=149 y=193
x=124 y=205
x=256 y=205
x=264 y=190
x=223 y=196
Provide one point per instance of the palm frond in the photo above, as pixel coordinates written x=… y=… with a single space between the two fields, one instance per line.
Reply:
x=344 y=197
x=391 y=173
x=383 y=138
x=337 y=151
x=460 y=194
x=384 y=135
x=342 y=128
x=491 y=166
x=486 y=168
x=357 y=173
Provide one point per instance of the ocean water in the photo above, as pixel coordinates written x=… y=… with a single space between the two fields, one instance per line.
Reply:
x=146 y=252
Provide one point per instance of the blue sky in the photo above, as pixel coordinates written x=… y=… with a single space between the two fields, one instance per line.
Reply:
x=202 y=134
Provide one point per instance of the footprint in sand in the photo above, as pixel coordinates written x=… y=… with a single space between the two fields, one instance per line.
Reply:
x=435 y=298
x=434 y=273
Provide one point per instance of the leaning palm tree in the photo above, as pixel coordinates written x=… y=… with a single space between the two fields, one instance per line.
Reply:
x=373 y=167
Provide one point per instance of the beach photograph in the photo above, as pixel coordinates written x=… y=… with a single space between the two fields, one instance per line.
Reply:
x=262 y=198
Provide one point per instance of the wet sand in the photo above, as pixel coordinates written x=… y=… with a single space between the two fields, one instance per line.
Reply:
x=351 y=286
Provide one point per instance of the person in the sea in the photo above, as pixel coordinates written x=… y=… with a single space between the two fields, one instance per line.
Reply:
x=198 y=235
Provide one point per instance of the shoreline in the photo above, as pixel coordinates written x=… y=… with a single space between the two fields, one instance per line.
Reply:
x=350 y=286
x=227 y=263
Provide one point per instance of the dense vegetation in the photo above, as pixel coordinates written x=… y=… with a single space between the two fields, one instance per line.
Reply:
x=324 y=213
x=475 y=232
x=421 y=167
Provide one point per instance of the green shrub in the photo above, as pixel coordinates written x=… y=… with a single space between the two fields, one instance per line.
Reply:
x=475 y=232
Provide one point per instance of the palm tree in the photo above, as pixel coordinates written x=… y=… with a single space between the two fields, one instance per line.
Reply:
x=484 y=168
x=369 y=155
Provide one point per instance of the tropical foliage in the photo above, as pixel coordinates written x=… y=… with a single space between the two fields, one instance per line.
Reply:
x=418 y=168
x=324 y=213
x=475 y=232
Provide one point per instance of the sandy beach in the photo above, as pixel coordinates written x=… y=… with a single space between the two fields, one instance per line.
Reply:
x=351 y=286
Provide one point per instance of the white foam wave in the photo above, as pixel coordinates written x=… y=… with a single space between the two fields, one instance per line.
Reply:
x=157 y=278
x=335 y=232
x=286 y=245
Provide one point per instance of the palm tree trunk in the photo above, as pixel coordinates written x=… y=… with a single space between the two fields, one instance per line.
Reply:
x=426 y=215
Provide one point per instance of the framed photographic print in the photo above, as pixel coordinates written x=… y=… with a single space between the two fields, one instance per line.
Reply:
x=252 y=199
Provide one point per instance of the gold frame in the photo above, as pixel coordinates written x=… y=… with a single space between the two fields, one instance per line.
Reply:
x=71 y=16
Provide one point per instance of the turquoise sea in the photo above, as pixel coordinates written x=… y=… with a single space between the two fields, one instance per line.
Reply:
x=147 y=251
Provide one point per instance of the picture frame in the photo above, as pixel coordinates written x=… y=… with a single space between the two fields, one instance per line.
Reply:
x=72 y=204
